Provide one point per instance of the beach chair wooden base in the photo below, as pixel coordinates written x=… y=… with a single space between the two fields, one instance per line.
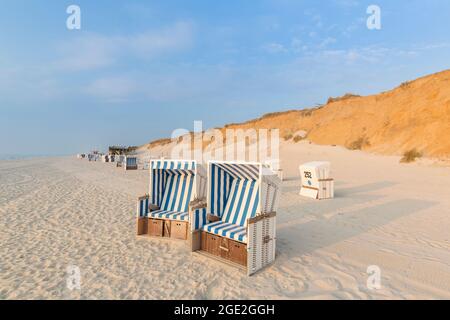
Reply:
x=127 y=168
x=167 y=229
x=224 y=248
x=253 y=256
x=179 y=230
x=323 y=192
x=141 y=225
x=155 y=227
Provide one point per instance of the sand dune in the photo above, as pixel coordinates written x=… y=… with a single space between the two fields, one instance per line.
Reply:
x=416 y=115
x=58 y=212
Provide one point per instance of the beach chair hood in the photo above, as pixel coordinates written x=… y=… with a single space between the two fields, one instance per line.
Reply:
x=238 y=191
x=175 y=183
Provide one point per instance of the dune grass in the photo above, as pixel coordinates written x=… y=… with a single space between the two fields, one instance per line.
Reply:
x=410 y=156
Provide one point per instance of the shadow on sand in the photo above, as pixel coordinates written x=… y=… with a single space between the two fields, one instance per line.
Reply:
x=364 y=188
x=345 y=192
x=297 y=238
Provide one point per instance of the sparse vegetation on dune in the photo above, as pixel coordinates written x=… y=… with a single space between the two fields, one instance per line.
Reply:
x=359 y=144
x=410 y=156
x=405 y=85
x=344 y=97
x=159 y=142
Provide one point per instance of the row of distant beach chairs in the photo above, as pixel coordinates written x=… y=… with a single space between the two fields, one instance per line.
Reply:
x=126 y=162
x=226 y=210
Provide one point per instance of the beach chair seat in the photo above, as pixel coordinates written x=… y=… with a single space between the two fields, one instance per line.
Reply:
x=170 y=215
x=227 y=230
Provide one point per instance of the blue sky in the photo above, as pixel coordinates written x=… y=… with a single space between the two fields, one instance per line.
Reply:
x=139 y=69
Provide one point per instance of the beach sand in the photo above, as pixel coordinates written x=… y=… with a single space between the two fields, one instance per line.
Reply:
x=62 y=212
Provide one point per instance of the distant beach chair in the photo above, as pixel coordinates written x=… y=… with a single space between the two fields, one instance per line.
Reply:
x=316 y=181
x=105 y=158
x=130 y=163
x=146 y=165
x=112 y=158
x=274 y=165
x=176 y=188
x=238 y=225
x=120 y=160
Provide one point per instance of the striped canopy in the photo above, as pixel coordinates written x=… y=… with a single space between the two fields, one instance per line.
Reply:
x=172 y=184
x=173 y=164
x=240 y=171
x=234 y=191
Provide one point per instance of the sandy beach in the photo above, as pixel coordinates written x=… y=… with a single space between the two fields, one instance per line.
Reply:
x=60 y=212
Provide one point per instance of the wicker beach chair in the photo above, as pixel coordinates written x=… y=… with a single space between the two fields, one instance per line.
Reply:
x=238 y=225
x=316 y=181
x=130 y=163
x=176 y=187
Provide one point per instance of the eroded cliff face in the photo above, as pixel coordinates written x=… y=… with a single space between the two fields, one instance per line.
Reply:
x=415 y=115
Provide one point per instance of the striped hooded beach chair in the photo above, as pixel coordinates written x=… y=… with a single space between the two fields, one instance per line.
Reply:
x=130 y=163
x=176 y=188
x=240 y=223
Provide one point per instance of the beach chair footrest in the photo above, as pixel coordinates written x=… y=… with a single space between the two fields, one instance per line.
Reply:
x=167 y=228
x=224 y=248
x=179 y=229
x=155 y=227
x=142 y=227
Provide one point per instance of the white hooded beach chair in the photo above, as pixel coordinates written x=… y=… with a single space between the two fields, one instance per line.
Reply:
x=176 y=188
x=239 y=228
x=120 y=159
x=316 y=181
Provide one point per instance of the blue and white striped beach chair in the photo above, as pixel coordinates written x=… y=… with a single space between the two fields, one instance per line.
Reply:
x=130 y=163
x=174 y=185
x=242 y=200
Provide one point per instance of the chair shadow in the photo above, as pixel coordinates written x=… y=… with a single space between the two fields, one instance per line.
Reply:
x=364 y=188
x=291 y=178
x=298 y=238
x=321 y=208
x=345 y=192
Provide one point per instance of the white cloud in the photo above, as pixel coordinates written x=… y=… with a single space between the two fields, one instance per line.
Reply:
x=347 y=3
x=92 y=51
x=370 y=54
x=152 y=43
x=88 y=52
x=113 y=89
x=274 y=48
x=327 y=42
